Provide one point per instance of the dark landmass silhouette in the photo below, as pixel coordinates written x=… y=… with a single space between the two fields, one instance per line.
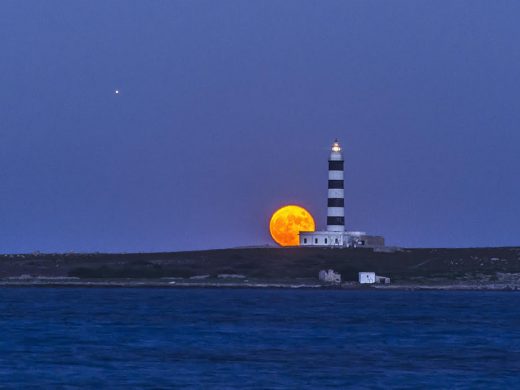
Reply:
x=441 y=266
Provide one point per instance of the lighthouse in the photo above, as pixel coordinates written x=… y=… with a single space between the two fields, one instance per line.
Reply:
x=335 y=234
x=336 y=193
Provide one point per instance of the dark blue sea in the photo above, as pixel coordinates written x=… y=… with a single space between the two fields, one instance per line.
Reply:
x=253 y=338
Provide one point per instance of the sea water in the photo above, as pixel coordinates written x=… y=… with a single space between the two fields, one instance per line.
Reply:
x=256 y=338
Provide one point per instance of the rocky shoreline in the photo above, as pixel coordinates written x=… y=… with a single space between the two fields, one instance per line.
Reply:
x=473 y=285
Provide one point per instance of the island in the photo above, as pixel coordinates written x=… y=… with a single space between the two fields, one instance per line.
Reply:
x=297 y=267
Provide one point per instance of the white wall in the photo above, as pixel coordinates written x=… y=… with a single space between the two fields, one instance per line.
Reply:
x=367 y=277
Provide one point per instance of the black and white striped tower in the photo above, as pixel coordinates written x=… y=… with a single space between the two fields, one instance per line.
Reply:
x=336 y=201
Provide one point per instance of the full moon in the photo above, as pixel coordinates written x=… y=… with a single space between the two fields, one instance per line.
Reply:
x=287 y=222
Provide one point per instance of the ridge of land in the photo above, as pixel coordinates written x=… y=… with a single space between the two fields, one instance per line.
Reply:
x=272 y=266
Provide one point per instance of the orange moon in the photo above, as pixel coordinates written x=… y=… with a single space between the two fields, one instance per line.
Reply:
x=287 y=222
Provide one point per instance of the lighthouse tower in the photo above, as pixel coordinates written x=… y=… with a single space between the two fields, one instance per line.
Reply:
x=336 y=196
x=335 y=234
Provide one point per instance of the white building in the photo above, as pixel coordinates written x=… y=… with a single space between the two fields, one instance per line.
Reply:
x=335 y=235
x=371 y=278
x=340 y=239
x=367 y=277
x=329 y=276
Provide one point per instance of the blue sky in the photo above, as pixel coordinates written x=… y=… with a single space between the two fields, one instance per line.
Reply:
x=227 y=110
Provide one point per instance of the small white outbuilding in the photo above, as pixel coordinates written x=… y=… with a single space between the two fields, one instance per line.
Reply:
x=330 y=276
x=371 y=278
x=382 y=279
x=367 y=277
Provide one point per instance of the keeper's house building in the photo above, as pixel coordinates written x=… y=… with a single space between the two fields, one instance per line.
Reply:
x=335 y=235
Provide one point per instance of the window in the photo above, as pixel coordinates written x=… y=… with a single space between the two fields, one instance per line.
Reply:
x=315 y=240
x=325 y=241
x=336 y=241
x=305 y=241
